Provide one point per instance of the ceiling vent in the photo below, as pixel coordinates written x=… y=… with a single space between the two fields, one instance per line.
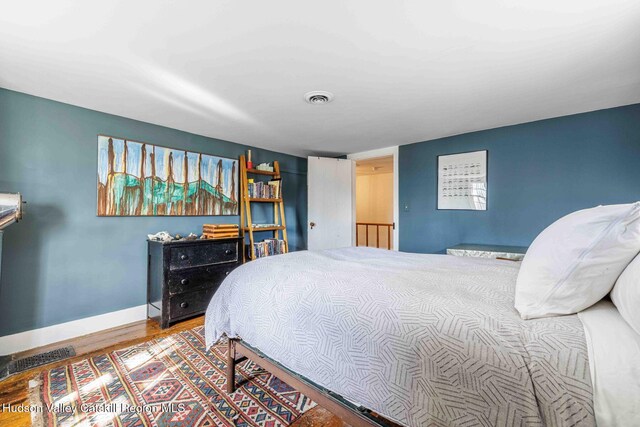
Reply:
x=318 y=97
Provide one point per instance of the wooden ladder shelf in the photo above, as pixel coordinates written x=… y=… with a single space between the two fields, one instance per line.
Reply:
x=279 y=221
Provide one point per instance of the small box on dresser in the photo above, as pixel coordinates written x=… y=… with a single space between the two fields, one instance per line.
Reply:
x=183 y=275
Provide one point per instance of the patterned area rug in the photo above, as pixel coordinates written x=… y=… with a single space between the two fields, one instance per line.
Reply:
x=169 y=381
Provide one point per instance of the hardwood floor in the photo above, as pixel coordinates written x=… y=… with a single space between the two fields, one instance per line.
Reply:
x=14 y=390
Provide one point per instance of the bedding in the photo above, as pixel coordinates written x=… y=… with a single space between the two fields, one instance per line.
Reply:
x=420 y=339
x=575 y=261
x=626 y=294
x=614 y=353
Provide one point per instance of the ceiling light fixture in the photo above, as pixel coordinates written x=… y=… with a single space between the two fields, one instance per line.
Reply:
x=318 y=97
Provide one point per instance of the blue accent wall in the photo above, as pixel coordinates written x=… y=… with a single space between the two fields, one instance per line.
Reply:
x=62 y=262
x=537 y=173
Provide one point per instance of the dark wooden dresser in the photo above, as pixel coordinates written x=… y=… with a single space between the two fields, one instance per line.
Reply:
x=182 y=276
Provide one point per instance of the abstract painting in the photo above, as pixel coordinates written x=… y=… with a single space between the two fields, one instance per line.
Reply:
x=139 y=179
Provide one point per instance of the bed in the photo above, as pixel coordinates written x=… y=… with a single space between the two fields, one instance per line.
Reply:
x=418 y=339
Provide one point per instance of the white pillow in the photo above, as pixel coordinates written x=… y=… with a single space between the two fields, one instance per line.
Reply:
x=626 y=294
x=575 y=261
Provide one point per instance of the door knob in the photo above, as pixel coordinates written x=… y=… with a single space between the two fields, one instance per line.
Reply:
x=312 y=224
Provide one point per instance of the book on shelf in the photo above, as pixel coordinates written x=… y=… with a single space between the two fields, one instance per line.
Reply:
x=269 y=247
x=265 y=190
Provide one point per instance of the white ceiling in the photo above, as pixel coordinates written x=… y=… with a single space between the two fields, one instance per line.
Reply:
x=401 y=71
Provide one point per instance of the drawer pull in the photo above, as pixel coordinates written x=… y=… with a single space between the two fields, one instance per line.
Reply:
x=184 y=257
x=185 y=281
x=228 y=251
x=184 y=304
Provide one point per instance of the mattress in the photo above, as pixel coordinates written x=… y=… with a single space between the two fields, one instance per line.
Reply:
x=420 y=339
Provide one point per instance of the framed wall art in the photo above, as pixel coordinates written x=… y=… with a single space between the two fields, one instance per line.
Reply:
x=140 y=179
x=462 y=181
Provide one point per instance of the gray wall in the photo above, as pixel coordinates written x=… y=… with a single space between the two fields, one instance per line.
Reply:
x=62 y=262
x=537 y=173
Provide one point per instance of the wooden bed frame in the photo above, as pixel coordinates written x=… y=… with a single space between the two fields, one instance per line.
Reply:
x=351 y=414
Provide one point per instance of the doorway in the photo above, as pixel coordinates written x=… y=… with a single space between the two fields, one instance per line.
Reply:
x=375 y=194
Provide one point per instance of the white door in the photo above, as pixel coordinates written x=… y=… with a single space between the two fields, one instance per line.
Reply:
x=331 y=213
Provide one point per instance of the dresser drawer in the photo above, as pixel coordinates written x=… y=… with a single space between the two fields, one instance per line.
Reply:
x=198 y=278
x=185 y=256
x=182 y=276
x=190 y=303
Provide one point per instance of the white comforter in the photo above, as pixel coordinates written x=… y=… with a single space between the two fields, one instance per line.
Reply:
x=417 y=338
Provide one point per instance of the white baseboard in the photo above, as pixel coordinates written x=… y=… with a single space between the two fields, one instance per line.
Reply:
x=38 y=337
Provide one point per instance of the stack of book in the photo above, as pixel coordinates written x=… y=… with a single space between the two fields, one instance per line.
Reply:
x=264 y=167
x=220 y=231
x=259 y=226
x=265 y=190
x=269 y=247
